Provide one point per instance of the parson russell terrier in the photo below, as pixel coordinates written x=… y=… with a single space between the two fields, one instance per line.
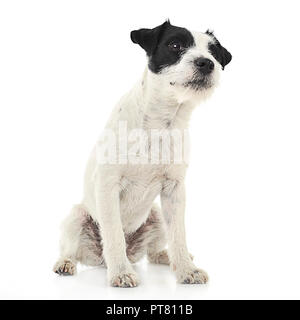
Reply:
x=117 y=222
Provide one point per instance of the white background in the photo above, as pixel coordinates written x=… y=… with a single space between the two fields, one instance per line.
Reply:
x=64 y=64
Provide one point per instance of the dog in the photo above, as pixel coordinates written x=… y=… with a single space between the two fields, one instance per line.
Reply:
x=118 y=223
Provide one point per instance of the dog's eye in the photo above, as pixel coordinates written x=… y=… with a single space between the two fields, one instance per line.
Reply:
x=175 y=46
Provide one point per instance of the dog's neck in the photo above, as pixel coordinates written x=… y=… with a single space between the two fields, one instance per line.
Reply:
x=160 y=108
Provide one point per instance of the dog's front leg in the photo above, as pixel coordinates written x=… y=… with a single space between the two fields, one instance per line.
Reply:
x=173 y=208
x=119 y=270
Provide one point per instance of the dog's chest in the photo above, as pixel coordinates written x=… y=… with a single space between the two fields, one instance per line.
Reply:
x=139 y=188
x=141 y=184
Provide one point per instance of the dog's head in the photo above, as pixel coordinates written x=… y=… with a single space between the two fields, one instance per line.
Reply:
x=185 y=60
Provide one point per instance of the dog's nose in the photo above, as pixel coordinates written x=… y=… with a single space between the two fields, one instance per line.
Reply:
x=205 y=65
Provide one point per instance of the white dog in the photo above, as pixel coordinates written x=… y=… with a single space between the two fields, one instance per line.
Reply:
x=117 y=222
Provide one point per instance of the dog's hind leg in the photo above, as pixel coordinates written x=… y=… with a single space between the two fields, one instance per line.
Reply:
x=149 y=239
x=80 y=242
x=156 y=251
x=69 y=242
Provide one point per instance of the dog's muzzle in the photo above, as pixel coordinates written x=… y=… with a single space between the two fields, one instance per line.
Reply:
x=202 y=78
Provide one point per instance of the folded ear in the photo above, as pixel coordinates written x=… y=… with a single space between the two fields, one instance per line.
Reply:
x=218 y=51
x=148 y=38
x=225 y=57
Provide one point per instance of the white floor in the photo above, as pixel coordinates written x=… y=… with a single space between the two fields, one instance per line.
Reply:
x=231 y=280
x=247 y=256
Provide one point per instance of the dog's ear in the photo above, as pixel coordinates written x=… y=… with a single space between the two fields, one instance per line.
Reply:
x=225 y=57
x=222 y=55
x=148 y=38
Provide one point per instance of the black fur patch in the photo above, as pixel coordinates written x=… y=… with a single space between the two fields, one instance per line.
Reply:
x=159 y=44
x=219 y=52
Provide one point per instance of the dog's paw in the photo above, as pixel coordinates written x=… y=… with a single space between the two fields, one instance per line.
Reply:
x=65 y=268
x=159 y=257
x=194 y=276
x=125 y=280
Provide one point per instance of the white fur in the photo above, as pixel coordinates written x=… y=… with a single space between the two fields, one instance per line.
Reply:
x=149 y=105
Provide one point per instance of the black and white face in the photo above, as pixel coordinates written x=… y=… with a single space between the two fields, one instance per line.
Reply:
x=185 y=59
